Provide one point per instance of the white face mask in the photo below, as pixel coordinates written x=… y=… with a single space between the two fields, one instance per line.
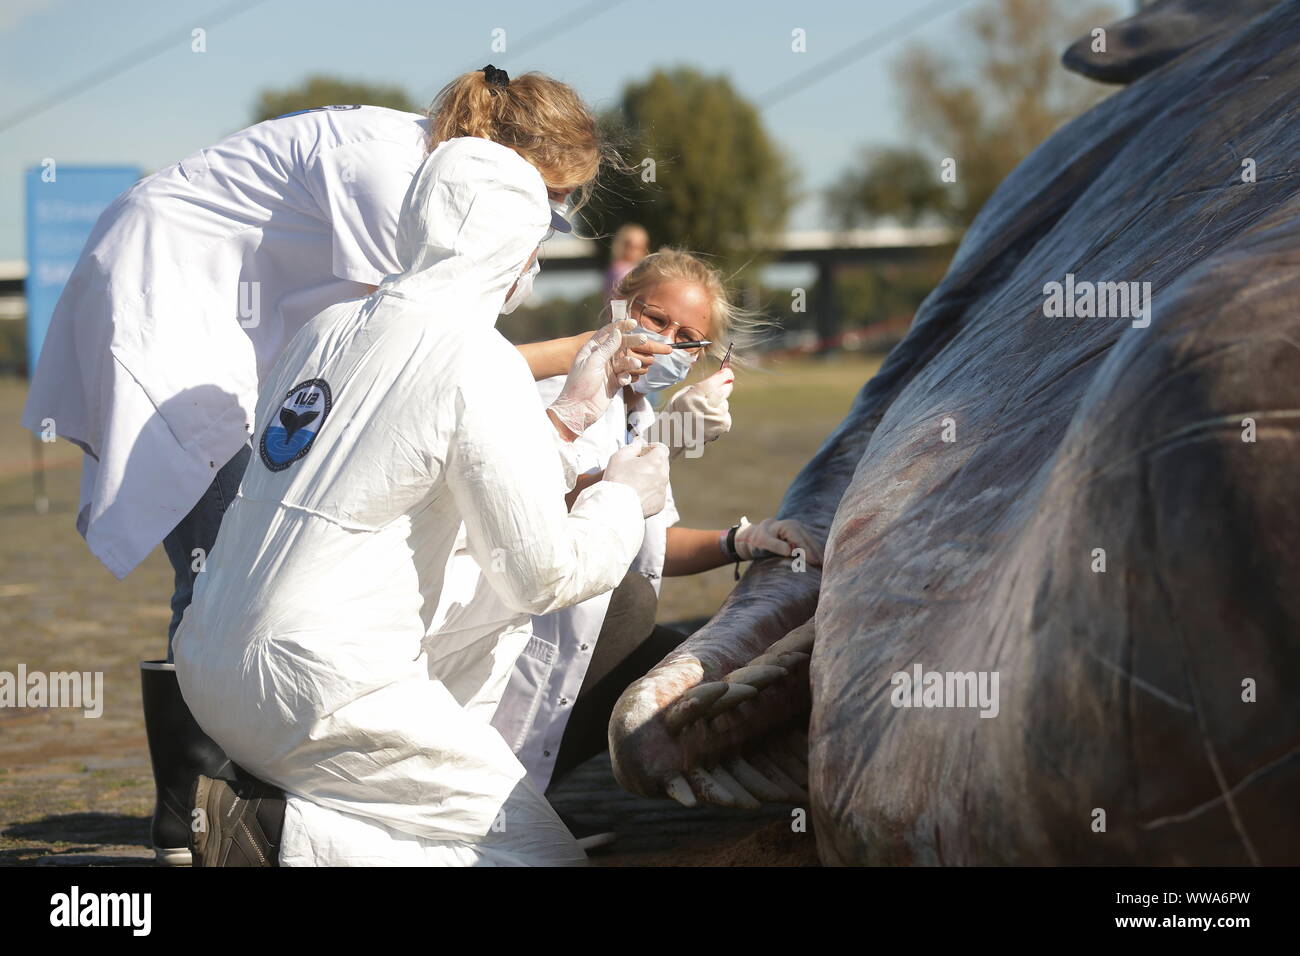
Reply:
x=665 y=370
x=522 y=290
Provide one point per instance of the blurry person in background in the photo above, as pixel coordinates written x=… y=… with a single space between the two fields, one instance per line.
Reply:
x=631 y=244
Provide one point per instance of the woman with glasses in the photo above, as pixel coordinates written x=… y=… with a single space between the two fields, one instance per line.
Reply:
x=555 y=710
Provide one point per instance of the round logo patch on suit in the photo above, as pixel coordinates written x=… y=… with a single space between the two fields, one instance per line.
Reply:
x=290 y=434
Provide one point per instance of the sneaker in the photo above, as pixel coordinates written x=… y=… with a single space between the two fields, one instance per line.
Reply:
x=242 y=823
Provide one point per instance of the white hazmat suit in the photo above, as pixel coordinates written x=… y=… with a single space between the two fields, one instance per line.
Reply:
x=387 y=423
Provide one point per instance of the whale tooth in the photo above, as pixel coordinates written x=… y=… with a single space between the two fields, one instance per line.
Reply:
x=736 y=693
x=693 y=704
x=743 y=798
x=753 y=781
x=757 y=676
x=800 y=639
x=709 y=789
x=776 y=752
x=708 y=692
x=792 y=660
x=767 y=768
x=680 y=790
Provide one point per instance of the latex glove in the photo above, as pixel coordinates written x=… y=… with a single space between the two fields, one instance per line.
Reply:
x=645 y=349
x=643 y=468
x=695 y=415
x=603 y=364
x=779 y=536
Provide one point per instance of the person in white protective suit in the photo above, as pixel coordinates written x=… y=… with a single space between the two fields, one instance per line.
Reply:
x=188 y=289
x=389 y=422
x=577 y=661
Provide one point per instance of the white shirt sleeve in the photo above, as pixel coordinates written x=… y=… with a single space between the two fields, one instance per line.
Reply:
x=360 y=188
x=501 y=467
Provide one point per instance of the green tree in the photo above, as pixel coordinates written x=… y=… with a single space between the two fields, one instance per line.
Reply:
x=891 y=182
x=329 y=91
x=699 y=170
x=1012 y=94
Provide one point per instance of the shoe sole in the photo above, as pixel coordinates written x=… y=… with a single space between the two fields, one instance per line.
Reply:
x=172 y=856
x=211 y=833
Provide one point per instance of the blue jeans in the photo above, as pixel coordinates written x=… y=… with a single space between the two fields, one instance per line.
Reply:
x=198 y=529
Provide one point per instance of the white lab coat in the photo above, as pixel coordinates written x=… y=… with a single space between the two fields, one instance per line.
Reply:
x=188 y=288
x=302 y=654
x=542 y=686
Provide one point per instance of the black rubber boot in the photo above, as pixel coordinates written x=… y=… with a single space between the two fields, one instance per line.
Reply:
x=180 y=751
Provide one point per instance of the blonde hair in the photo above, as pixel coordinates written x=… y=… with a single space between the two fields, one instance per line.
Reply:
x=729 y=322
x=541 y=119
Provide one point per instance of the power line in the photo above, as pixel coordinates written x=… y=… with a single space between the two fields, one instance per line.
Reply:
x=134 y=58
x=560 y=24
x=868 y=44
x=536 y=39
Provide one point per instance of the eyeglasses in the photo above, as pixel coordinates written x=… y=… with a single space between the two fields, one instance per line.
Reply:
x=654 y=319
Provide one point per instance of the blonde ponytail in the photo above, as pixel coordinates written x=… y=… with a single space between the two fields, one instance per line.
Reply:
x=543 y=120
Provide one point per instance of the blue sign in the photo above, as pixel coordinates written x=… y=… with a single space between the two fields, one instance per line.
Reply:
x=63 y=203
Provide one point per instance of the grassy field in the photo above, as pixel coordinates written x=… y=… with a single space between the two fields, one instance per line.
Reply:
x=780 y=416
x=72 y=786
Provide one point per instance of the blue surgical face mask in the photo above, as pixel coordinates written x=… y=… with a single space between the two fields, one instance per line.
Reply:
x=665 y=370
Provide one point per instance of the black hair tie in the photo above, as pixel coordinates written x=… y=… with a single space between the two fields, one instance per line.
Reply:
x=495 y=77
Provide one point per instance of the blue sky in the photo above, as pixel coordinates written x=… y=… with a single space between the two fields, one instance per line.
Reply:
x=164 y=108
